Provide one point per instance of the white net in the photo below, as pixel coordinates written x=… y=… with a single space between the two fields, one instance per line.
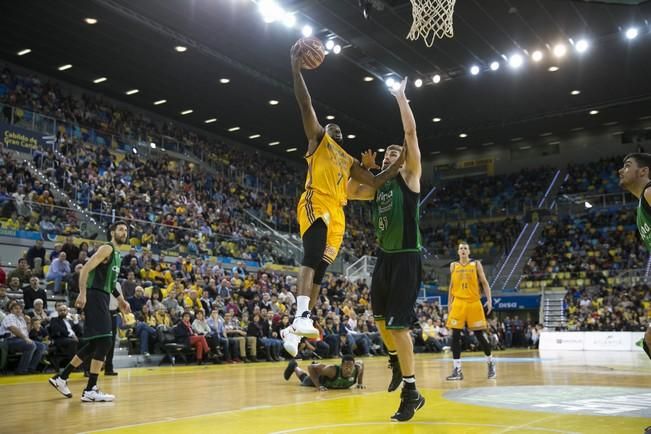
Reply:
x=432 y=19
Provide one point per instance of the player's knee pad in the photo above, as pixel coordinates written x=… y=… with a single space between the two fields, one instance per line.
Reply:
x=456 y=343
x=484 y=342
x=319 y=272
x=102 y=346
x=314 y=244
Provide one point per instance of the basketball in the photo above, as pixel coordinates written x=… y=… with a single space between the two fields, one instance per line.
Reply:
x=311 y=51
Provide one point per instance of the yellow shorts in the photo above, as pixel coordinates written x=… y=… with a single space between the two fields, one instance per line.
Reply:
x=310 y=209
x=466 y=312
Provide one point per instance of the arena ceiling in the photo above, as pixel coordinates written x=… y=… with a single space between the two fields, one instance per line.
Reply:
x=133 y=46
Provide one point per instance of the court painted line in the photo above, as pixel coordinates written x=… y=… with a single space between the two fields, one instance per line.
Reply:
x=362 y=424
x=528 y=424
x=219 y=413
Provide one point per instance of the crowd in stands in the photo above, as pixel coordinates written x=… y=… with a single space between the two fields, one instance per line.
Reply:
x=607 y=307
x=597 y=177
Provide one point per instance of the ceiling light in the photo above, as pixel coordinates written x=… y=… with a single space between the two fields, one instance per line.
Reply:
x=224 y=80
x=436 y=120
x=100 y=80
x=463 y=135
x=337 y=49
x=132 y=91
x=25 y=51
x=418 y=82
x=351 y=136
x=594 y=112
x=186 y=112
x=289 y=20
x=587 y=204
x=381 y=150
x=291 y=150
x=474 y=69
x=329 y=44
x=181 y=48
x=582 y=45
x=233 y=129
x=631 y=33
x=390 y=82
x=560 y=50
x=273 y=102
x=64 y=67
x=90 y=20
x=306 y=30
x=160 y=101
x=553 y=68
x=575 y=92
x=134 y=150
x=210 y=121
x=152 y=145
x=368 y=78
x=270 y=11
x=254 y=136
x=537 y=56
x=330 y=117
x=274 y=143
x=495 y=66
x=516 y=61
x=436 y=79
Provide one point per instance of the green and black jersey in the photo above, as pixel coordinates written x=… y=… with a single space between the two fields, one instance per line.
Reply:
x=105 y=275
x=644 y=219
x=340 y=382
x=396 y=217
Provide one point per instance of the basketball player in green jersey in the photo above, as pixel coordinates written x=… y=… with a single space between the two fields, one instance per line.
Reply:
x=97 y=281
x=634 y=177
x=349 y=373
x=397 y=274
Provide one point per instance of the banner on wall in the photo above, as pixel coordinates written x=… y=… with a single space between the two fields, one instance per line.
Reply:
x=592 y=341
x=509 y=302
x=20 y=139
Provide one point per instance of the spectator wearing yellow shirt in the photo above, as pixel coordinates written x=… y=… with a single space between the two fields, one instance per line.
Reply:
x=147 y=273
x=147 y=238
x=11 y=223
x=192 y=300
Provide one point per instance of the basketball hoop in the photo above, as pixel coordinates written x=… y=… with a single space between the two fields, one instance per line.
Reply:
x=432 y=19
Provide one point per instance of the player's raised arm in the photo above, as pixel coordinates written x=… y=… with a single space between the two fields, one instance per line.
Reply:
x=357 y=191
x=361 y=175
x=313 y=129
x=412 y=163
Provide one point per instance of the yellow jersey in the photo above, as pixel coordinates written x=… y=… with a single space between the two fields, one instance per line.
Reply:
x=465 y=282
x=328 y=170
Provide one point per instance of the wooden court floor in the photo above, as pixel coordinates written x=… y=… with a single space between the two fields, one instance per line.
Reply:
x=571 y=392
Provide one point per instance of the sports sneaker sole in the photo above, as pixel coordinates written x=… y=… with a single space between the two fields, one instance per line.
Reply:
x=95 y=400
x=420 y=405
x=53 y=383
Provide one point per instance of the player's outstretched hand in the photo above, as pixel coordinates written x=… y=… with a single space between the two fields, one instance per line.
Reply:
x=368 y=159
x=124 y=306
x=361 y=386
x=81 y=301
x=295 y=58
x=399 y=92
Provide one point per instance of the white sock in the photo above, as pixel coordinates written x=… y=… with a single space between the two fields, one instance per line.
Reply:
x=302 y=304
x=457 y=363
x=489 y=358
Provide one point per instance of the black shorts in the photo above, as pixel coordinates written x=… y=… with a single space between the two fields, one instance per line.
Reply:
x=394 y=288
x=98 y=321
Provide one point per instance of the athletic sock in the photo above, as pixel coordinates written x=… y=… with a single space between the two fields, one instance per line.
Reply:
x=489 y=358
x=409 y=382
x=393 y=356
x=92 y=381
x=66 y=371
x=457 y=363
x=302 y=304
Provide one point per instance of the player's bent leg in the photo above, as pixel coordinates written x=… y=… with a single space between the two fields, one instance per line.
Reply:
x=290 y=369
x=394 y=362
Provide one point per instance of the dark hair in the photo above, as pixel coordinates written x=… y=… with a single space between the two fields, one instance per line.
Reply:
x=113 y=226
x=641 y=158
x=347 y=358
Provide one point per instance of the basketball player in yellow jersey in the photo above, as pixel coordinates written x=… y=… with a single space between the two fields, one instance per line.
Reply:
x=320 y=210
x=464 y=304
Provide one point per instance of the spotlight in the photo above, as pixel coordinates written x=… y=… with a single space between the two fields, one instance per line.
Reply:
x=537 y=56
x=553 y=68
x=582 y=46
x=594 y=112
x=418 y=82
x=390 y=82
x=152 y=145
x=181 y=48
x=474 y=69
x=632 y=32
x=330 y=44
x=560 y=50
x=351 y=136
x=270 y=11
x=289 y=20
x=587 y=204
x=436 y=120
x=330 y=117
x=436 y=79
x=337 y=49
x=463 y=135
x=516 y=61
x=306 y=30
x=495 y=66
x=368 y=78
